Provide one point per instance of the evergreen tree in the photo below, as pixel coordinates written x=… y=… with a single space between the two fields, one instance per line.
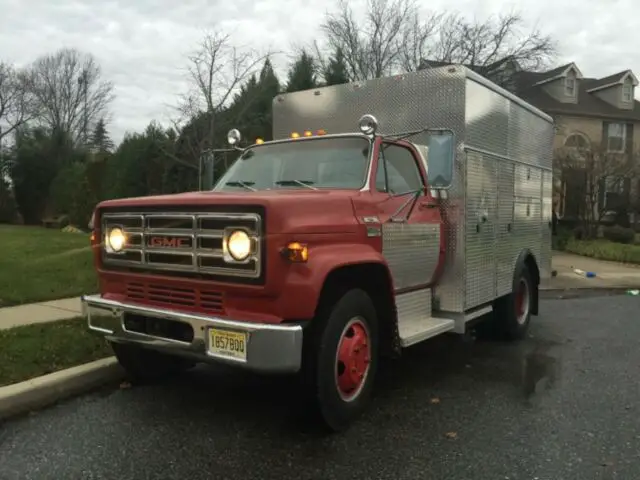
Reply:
x=302 y=75
x=336 y=72
x=100 y=140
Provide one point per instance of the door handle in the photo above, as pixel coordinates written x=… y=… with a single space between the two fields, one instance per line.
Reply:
x=427 y=205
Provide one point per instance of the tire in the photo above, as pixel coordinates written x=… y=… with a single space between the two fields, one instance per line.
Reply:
x=513 y=312
x=341 y=359
x=144 y=365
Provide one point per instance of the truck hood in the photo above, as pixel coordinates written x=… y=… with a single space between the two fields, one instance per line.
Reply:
x=288 y=211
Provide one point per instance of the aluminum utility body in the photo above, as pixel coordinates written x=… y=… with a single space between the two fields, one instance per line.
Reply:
x=383 y=213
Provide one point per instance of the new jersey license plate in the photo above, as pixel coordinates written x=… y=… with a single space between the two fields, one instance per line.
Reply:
x=225 y=343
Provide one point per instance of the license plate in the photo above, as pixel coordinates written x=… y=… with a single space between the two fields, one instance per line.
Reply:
x=228 y=344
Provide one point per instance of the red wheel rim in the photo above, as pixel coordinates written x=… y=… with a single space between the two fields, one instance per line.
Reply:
x=353 y=359
x=521 y=303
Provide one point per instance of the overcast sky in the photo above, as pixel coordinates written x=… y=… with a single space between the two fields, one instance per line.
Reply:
x=141 y=44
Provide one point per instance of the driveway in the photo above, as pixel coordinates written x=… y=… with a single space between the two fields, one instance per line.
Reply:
x=561 y=405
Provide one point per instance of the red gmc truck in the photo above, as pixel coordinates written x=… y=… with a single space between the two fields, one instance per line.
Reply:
x=382 y=214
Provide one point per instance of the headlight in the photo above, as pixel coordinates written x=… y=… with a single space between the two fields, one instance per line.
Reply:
x=239 y=245
x=115 y=240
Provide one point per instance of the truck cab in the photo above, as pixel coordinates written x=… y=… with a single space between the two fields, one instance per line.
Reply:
x=320 y=251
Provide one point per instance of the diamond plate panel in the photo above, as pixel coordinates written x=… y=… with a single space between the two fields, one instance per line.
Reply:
x=505 y=247
x=411 y=251
x=414 y=306
x=527 y=181
x=481 y=219
x=498 y=123
x=487 y=119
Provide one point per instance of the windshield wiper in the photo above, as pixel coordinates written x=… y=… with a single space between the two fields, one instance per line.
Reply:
x=240 y=183
x=302 y=183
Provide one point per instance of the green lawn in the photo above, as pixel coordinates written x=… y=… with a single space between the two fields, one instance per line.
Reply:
x=38 y=264
x=34 y=350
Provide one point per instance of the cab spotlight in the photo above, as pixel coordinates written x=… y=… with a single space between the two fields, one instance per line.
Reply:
x=368 y=124
x=233 y=137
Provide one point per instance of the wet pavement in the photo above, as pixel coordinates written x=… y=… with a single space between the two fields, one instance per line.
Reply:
x=564 y=404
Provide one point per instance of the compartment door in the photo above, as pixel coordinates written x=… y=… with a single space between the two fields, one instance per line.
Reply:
x=481 y=226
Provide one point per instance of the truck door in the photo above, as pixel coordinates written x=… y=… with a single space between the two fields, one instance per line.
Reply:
x=412 y=236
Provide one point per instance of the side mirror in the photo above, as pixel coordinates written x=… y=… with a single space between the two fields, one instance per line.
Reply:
x=441 y=148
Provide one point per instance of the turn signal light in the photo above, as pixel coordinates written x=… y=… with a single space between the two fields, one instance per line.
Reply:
x=259 y=141
x=295 y=135
x=321 y=132
x=296 y=252
x=308 y=133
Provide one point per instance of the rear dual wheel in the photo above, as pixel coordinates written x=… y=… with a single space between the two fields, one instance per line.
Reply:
x=341 y=359
x=513 y=312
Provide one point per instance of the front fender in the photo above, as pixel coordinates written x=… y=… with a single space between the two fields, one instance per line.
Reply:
x=304 y=281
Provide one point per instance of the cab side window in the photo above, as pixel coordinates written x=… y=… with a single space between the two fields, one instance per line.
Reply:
x=402 y=171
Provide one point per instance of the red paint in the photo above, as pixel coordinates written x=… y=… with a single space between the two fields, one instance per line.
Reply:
x=353 y=359
x=328 y=221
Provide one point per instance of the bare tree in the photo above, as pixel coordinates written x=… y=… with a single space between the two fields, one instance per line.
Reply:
x=372 y=48
x=394 y=37
x=70 y=92
x=16 y=101
x=216 y=70
x=588 y=175
x=483 y=43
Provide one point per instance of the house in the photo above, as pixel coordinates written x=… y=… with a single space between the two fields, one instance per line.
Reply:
x=588 y=112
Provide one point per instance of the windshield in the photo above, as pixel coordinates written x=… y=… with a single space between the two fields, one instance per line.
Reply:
x=322 y=162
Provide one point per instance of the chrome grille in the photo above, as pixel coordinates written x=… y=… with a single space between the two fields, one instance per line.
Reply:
x=184 y=242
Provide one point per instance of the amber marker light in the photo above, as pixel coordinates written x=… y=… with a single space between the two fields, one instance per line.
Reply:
x=322 y=131
x=296 y=252
x=308 y=133
x=259 y=141
x=295 y=135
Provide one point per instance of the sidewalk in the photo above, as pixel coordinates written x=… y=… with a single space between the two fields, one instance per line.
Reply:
x=40 y=312
x=609 y=275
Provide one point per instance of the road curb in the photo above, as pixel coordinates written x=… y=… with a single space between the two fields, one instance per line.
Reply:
x=42 y=391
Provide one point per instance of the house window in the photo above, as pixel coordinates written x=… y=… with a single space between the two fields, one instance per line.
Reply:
x=613 y=192
x=577 y=141
x=627 y=93
x=570 y=86
x=616 y=138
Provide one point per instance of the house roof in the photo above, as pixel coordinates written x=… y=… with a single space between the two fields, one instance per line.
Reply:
x=529 y=86
x=611 y=80
x=557 y=73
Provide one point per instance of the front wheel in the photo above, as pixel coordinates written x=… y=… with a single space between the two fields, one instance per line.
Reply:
x=341 y=359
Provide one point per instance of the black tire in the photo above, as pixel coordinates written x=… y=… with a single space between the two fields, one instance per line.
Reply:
x=320 y=362
x=512 y=313
x=144 y=365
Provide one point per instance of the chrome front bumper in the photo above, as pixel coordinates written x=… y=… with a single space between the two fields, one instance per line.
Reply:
x=269 y=348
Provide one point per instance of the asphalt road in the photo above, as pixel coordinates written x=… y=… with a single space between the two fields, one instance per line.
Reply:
x=563 y=404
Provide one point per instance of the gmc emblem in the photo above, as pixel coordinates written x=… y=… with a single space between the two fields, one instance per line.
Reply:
x=170 y=242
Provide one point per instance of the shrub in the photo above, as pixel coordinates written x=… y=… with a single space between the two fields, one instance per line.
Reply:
x=559 y=241
x=619 y=234
x=71 y=194
x=605 y=250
